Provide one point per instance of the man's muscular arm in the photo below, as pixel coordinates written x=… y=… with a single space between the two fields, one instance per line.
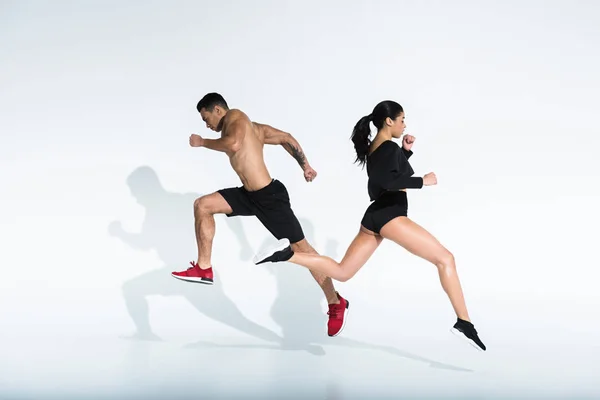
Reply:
x=289 y=143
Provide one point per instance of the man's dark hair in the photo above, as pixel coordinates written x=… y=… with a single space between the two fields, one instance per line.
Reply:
x=210 y=100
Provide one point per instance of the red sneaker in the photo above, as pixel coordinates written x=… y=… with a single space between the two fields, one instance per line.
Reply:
x=195 y=274
x=337 y=316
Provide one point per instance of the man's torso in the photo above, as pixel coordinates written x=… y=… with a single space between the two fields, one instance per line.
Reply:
x=248 y=162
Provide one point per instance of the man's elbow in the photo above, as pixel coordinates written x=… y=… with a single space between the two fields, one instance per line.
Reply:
x=285 y=139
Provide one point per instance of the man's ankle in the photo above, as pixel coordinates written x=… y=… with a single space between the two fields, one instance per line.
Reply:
x=204 y=265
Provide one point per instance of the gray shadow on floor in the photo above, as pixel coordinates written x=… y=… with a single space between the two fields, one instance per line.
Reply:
x=168 y=228
x=298 y=311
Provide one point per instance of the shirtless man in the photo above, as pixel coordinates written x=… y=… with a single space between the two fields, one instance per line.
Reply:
x=262 y=196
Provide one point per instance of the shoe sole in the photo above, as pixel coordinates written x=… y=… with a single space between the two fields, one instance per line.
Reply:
x=204 y=281
x=282 y=244
x=458 y=333
x=346 y=311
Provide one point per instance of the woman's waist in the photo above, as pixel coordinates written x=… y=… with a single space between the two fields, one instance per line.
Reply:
x=393 y=192
x=391 y=196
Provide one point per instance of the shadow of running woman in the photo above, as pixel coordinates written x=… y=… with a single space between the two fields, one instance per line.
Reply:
x=298 y=310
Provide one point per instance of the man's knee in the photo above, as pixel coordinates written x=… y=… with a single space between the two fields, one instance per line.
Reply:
x=200 y=205
x=211 y=204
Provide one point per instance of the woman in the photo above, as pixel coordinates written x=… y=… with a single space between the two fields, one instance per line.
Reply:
x=390 y=174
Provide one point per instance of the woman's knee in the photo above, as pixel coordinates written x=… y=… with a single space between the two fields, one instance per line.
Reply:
x=345 y=276
x=347 y=272
x=445 y=259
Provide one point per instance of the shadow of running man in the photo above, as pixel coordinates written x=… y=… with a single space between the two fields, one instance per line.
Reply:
x=168 y=228
x=298 y=310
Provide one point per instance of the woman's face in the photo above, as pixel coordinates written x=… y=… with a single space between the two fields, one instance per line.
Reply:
x=398 y=126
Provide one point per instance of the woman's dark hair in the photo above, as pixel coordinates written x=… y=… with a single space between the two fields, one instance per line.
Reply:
x=362 y=130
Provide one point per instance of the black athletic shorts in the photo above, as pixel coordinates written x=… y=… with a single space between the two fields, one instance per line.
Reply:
x=271 y=205
x=387 y=207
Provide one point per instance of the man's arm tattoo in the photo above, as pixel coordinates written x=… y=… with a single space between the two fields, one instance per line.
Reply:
x=296 y=153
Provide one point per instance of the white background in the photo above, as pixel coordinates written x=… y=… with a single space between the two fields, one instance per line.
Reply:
x=503 y=100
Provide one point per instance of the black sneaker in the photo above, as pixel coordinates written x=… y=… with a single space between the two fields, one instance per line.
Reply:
x=466 y=330
x=282 y=251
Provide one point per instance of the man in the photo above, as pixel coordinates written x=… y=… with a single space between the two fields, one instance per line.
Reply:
x=262 y=196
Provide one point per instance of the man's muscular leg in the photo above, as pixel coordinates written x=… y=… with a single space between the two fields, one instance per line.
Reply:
x=205 y=208
x=338 y=306
x=324 y=281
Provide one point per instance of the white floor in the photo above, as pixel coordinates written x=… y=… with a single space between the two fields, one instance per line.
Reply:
x=239 y=367
x=259 y=332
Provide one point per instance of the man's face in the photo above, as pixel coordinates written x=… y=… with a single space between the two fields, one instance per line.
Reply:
x=212 y=118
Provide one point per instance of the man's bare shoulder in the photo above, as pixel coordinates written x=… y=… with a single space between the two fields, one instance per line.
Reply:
x=260 y=126
x=236 y=115
x=236 y=119
x=260 y=130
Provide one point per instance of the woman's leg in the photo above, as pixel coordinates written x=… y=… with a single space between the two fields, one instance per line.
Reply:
x=421 y=243
x=362 y=247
